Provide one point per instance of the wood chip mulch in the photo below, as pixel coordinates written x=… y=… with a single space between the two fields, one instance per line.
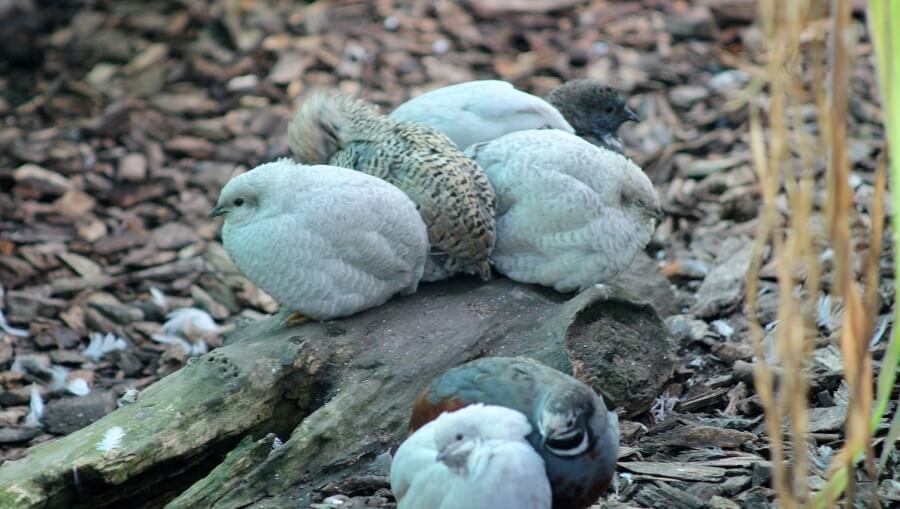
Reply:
x=122 y=120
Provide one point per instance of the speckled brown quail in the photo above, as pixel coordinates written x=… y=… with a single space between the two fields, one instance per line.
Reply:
x=452 y=193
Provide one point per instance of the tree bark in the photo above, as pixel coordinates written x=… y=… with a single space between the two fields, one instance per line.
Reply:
x=338 y=394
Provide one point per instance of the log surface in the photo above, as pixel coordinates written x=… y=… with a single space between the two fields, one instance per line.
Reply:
x=337 y=393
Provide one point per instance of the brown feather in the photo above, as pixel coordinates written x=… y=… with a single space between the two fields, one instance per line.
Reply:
x=453 y=194
x=424 y=411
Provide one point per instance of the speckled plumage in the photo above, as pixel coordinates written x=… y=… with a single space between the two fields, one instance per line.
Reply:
x=572 y=430
x=479 y=111
x=569 y=214
x=451 y=191
x=323 y=241
x=486 y=463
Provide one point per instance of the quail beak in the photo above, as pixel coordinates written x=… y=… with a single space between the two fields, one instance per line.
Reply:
x=561 y=435
x=217 y=211
x=450 y=460
x=660 y=214
x=631 y=115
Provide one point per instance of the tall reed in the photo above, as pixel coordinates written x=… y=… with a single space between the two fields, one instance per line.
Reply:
x=801 y=38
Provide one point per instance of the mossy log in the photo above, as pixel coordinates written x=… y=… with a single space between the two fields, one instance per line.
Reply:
x=337 y=393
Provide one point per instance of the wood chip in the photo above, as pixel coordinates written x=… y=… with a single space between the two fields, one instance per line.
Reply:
x=682 y=471
x=81 y=265
x=702 y=436
x=44 y=180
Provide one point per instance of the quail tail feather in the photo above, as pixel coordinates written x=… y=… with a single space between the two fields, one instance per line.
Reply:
x=483 y=270
x=325 y=124
x=439 y=268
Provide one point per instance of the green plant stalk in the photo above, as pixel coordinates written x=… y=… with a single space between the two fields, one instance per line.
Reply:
x=893 y=433
x=884 y=27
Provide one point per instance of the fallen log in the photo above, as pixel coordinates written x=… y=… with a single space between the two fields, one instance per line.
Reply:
x=337 y=393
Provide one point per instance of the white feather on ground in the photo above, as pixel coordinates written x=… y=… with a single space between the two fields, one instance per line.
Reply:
x=61 y=380
x=78 y=387
x=191 y=324
x=479 y=111
x=569 y=214
x=485 y=462
x=101 y=344
x=310 y=237
x=38 y=366
x=59 y=377
x=131 y=395
x=190 y=328
x=159 y=298
x=35 y=408
x=112 y=439
x=199 y=347
x=9 y=329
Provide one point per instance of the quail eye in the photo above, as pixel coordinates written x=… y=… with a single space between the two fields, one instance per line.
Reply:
x=238 y=202
x=609 y=109
x=459 y=436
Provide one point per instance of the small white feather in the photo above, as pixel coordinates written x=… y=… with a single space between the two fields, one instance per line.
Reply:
x=131 y=395
x=621 y=482
x=36 y=408
x=188 y=327
x=9 y=329
x=823 y=457
x=166 y=339
x=190 y=323
x=60 y=376
x=663 y=406
x=100 y=345
x=823 y=311
x=112 y=439
x=158 y=297
x=880 y=329
x=199 y=348
x=192 y=349
x=723 y=328
x=78 y=387
x=336 y=501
